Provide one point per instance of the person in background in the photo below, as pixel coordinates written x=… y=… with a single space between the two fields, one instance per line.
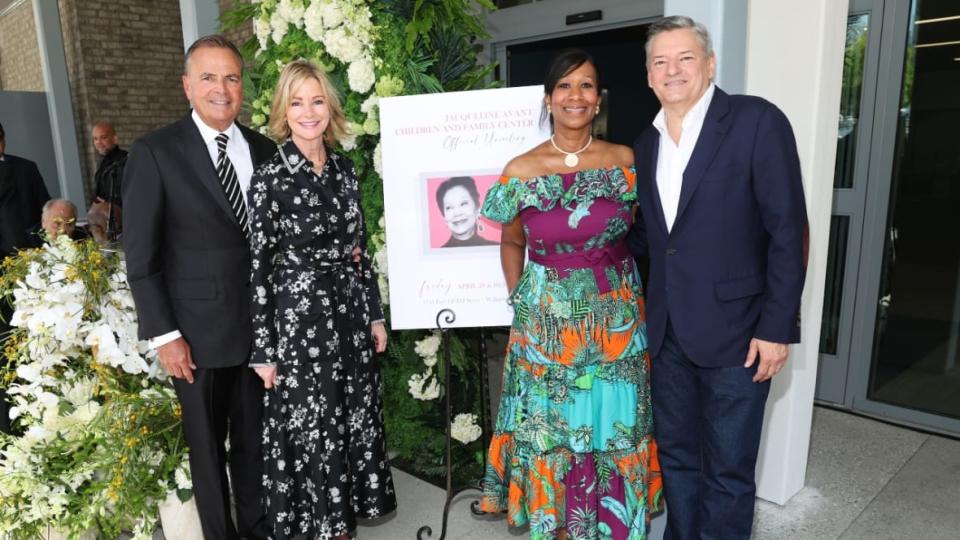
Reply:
x=22 y=196
x=722 y=220
x=59 y=216
x=573 y=453
x=188 y=264
x=108 y=178
x=459 y=202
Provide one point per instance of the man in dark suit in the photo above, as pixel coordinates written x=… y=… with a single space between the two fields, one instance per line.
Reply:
x=722 y=221
x=188 y=264
x=22 y=196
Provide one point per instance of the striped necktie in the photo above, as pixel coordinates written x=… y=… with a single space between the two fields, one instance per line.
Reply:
x=231 y=186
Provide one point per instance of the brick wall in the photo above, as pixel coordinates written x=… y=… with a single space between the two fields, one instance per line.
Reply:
x=20 y=68
x=124 y=59
x=237 y=35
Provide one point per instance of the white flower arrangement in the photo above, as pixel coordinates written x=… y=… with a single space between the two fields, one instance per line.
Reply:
x=464 y=428
x=76 y=355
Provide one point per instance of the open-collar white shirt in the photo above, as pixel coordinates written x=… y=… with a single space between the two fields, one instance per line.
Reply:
x=673 y=158
x=238 y=150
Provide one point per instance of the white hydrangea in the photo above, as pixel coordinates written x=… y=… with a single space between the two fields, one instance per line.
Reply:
x=348 y=141
x=278 y=26
x=261 y=27
x=313 y=20
x=424 y=386
x=291 y=11
x=371 y=106
x=331 y=13
x=380 y=261
x=360 y=75
x=342 y=45
x=464 y=428
x=384 y=289
x=429 y=345
x=378 y=161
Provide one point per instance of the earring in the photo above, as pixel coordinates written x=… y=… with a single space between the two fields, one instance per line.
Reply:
x=598 y=110
x=548 y=110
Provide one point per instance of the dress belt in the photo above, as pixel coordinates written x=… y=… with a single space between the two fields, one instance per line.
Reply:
x=597 y=260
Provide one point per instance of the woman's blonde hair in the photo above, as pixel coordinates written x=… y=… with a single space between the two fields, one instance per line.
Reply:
x=292 y=76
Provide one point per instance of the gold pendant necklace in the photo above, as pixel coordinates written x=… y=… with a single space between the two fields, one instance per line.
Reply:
x=571 y=159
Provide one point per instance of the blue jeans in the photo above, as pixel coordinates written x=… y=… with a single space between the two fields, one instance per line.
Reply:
x=707 y=422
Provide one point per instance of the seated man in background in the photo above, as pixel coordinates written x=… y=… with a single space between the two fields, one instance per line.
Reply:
x=98 y=223
x=59 y=216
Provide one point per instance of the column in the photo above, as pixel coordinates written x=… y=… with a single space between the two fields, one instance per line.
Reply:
x=199 y=18
x=795 y=59
x=54 y=65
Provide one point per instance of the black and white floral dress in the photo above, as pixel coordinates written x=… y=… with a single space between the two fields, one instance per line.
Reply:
x=323 y=440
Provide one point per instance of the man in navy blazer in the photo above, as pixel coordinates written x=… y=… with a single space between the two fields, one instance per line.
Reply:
x=722 y=220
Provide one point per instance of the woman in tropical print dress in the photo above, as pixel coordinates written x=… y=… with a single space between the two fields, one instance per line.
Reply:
x=317 y=319
x=573 y=453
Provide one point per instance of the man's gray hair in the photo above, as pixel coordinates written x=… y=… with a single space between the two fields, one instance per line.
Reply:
x=56 y=202
x=215 y=41
x=679 y=22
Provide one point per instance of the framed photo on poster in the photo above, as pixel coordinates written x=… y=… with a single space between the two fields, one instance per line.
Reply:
x=441 y=155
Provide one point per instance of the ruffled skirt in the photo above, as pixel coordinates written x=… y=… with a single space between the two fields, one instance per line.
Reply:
x=573 y=446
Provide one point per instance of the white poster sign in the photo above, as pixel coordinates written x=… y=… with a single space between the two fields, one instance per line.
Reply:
x=441 y=153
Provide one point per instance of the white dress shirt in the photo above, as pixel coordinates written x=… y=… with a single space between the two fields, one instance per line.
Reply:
x=673 y=158
x=239 y=153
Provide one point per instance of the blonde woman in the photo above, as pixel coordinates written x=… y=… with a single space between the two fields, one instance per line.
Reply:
x=317 y=320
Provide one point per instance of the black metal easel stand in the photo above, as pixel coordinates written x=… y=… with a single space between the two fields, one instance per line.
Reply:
x=447 y=316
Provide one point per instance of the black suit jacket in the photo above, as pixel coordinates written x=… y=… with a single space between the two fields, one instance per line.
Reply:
x=732 y=266
x=22 y=196
x=188 y=260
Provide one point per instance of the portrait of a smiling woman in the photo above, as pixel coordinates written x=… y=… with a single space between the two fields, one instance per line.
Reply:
x=458 y=200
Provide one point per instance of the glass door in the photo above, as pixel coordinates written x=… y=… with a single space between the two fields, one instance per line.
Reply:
x=890 y=344
x=854 y=138
x=914 y=363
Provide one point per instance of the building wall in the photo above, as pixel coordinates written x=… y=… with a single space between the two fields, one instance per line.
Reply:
x=20 y=68
x=239 y=35
x=124 y=59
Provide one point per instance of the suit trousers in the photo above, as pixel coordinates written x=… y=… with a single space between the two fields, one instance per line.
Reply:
x=224 y=402
x=707 y=423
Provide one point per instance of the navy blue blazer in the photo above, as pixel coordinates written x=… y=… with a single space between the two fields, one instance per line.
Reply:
x=732 y=268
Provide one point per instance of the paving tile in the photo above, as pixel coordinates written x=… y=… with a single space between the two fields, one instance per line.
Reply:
x=922 y=501
x=421 y=503
x=851 y=460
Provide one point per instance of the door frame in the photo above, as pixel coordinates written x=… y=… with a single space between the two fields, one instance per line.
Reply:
x=833 y=373
x=894 y=31
x=546 y=20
